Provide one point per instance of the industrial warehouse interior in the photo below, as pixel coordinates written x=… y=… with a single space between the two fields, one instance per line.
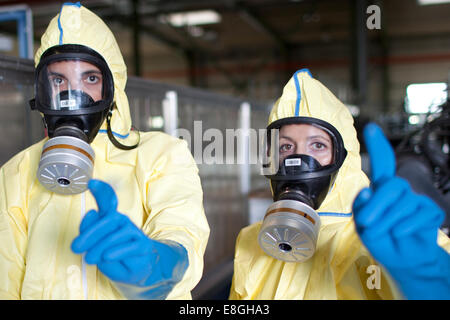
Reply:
x=200 y=70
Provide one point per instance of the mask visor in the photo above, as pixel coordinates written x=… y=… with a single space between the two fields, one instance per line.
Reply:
x=70 y=85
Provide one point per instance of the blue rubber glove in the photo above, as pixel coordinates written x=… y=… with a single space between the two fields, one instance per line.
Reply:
x=399 y=227
x=141 y=268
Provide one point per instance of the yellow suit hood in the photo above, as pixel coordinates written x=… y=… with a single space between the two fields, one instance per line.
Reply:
x=76 y=24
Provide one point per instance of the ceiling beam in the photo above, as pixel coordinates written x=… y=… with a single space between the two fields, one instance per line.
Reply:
x=189 y=51
x=257 y=22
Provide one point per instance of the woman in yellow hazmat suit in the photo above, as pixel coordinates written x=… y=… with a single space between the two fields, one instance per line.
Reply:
x=327 y=260
x=156 y=182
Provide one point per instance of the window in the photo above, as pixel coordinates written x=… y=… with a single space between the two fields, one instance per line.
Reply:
x=425 y=97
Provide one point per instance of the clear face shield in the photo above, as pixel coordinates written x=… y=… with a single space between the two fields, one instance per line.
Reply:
x=302 y=169
x=72 y=84
x=74 y=87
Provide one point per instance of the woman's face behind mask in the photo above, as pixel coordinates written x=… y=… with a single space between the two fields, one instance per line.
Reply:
x=310 y=153
x=306 y=139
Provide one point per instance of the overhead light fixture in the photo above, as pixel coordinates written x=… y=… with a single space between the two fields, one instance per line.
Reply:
x=427 y=2
x=193 y=18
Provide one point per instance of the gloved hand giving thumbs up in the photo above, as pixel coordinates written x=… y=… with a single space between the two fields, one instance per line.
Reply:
x=141 y=268
x=399 y=227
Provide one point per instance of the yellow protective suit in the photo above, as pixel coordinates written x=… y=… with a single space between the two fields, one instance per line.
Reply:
x=341 y=266
x=157 y=186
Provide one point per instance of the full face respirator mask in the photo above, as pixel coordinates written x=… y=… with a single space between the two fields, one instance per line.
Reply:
x=299 y=185
x=74 y=93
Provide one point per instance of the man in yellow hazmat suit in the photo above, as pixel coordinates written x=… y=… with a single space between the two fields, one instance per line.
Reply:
x=314 y=240
x=146 y=232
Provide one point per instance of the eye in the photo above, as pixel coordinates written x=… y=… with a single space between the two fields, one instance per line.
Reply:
x=92 y=79
x=318 y=146
x=285 y=147
x=57 y=81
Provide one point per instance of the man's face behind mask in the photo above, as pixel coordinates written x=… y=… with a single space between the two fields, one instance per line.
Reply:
x=74 y=76
x=74 y=92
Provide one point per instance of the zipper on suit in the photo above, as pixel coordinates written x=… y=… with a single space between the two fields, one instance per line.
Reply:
x=83 y=262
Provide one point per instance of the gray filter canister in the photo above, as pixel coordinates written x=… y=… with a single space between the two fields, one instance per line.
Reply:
x=289 y=231
x=66 y=165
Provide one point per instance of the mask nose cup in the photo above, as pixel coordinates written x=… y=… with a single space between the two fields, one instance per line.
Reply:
x=66 y=165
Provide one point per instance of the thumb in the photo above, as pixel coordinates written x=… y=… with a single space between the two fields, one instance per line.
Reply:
x=104 y=196
x=381 y=154
x=360 y=202
x=361 y=199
